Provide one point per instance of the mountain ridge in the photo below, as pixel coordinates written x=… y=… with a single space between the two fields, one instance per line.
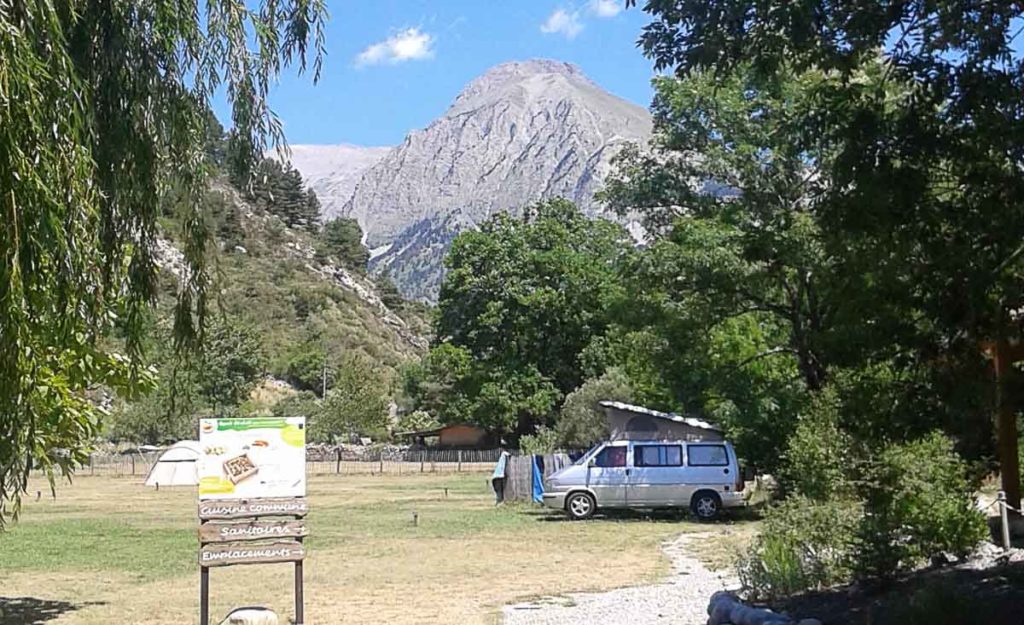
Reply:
x=521 y=132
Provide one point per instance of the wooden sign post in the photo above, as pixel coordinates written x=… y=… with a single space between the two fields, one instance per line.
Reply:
x=235 y=531
x=252 y=505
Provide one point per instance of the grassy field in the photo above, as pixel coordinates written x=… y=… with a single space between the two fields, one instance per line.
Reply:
x=109 y=550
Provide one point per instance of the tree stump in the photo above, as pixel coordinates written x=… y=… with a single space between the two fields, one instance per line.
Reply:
x=251 y=616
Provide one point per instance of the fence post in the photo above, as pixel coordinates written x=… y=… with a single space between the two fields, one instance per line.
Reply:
x=381 y=457
x=92 y=466
x=459 y=466
x=133 y=464
x=1001 y=500
x=421 y=460
x=337 y=468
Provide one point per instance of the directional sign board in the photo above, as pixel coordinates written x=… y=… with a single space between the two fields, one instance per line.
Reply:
x=251 y=470
x=251 y=530
x=227 y=555
x=250 y=508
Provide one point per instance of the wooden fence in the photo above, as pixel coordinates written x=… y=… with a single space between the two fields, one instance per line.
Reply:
x=386 y=461
x=519 y=474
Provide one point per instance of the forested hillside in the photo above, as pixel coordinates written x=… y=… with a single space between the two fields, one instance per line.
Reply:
x=293 y=313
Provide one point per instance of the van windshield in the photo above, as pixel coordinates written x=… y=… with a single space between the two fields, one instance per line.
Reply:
x=585 y=458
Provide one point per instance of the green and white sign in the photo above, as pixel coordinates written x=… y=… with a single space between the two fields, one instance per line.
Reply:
x=252 y=458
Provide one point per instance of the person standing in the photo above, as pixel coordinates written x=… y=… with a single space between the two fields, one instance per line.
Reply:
x=499 y=477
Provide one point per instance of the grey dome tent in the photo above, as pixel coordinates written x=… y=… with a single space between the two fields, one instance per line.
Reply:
x=177 y=466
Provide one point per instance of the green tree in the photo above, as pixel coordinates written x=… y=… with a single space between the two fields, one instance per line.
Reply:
x=103 y=108
x=342 y=238
x=927 y=201
x=582 y=421
x=389 y=293
x=279 y=190
x=356 y=404
x=416 y=421
x=212 y=382
x=230 y=364
x=523 y=297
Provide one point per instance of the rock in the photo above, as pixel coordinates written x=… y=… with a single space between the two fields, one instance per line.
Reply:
x=521 y=132
x=251 y=616
x=943 y=558
x=726 y=609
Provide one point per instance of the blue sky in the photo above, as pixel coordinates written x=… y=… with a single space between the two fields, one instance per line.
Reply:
x=395 y=65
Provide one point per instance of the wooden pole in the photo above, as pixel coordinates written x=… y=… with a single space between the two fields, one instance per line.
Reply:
x=1006 y=425
x=459 y=466
x=421 y=461
x=338 y=467
x=204 y=595
x=299 y=615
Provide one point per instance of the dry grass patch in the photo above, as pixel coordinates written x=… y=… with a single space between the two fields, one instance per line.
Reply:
x=118 y=552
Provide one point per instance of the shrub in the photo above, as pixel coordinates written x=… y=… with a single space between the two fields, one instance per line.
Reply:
x=817 y=459
x=543 y=441
x=582 y=421
x=917 y=503
x=804 y=544
x=416 y=421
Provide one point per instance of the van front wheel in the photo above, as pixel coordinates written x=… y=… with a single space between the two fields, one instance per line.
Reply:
x=706 y=505
x=580 y=506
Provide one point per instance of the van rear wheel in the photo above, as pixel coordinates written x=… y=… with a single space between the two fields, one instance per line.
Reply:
x=706 y=505
x=580 y=506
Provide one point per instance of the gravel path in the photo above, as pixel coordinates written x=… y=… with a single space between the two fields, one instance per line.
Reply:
x=681 y=599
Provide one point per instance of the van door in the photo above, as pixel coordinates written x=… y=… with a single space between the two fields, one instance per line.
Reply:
x=656 y=478
x=709 y=464
x=607 y=477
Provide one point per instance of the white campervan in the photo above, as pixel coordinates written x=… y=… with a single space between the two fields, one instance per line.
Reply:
x=703 y=476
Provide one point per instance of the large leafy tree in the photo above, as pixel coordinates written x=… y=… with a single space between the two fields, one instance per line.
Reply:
x=522 y=298
x=103 y=119
x=926 y=186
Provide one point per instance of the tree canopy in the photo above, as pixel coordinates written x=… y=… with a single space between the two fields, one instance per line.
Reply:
x=921 y=119
x=103 y=120
x=522 y=298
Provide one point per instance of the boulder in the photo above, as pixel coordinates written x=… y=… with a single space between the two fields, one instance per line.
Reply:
x=251 y=616
x=726 y=609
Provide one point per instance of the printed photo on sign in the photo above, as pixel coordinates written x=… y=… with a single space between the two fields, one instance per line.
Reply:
x=252 y=458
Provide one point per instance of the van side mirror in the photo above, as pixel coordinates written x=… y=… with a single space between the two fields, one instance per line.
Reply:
x=591 y=463
x=749 y=474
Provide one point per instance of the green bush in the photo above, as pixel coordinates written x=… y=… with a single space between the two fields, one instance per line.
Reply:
x=543 y=441
x=816 y=463
x=582 y=421
x=804 y=544
x=918 y=502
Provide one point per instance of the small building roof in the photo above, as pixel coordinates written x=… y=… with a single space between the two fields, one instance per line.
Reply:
x=668 y=416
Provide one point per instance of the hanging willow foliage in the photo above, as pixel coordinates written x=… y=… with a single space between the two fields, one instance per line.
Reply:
x=103 y=113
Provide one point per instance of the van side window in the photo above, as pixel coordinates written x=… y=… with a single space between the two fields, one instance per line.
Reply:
x=611 y=457
x=707 y=456
x=658 y=455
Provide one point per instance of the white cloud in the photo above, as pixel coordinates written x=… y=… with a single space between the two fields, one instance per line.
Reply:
x=563 y=23
x=410 y=44
x=605 y=8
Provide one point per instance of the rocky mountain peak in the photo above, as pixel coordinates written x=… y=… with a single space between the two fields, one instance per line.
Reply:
x=521 y=132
